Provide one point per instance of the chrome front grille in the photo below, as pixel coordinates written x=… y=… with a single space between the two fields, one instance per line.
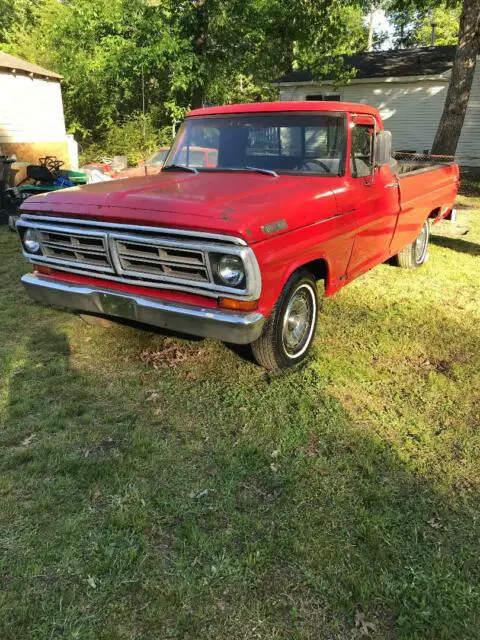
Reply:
x=146 y=256
x=87 y=250
x=149 y=258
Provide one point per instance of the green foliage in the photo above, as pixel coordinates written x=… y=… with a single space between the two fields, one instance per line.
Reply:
x=447 y=23
x=116 y=55
x=412 y=20
x=106 y=50
x=137 y=138
x=31 y=30
x=18 y=13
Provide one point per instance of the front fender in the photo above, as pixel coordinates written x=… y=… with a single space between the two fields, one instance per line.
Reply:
x=279 y=259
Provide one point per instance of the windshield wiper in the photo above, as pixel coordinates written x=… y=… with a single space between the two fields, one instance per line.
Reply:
x=180 y=167
x=268 y=172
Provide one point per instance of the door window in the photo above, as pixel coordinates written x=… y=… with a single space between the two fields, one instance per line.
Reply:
x=361 y=155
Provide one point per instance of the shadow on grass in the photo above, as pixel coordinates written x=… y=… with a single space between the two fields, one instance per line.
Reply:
x=456 y=244
x=242 y=351
x=470 y=185
x=253 y=504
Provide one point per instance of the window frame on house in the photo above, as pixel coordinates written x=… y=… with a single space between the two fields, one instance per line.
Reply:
x=321 y=97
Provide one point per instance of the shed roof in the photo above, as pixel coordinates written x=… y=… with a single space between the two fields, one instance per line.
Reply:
x=422 y=61
x=12 y=63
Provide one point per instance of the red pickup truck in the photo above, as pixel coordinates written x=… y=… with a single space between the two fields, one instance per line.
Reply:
x=303 y=197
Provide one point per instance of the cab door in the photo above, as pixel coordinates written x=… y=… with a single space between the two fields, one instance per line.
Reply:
x=374 y=203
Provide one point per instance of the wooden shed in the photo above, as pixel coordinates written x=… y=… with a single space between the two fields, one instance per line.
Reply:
x=32 y=123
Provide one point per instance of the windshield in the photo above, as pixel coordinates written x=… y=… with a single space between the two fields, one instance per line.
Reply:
x=284 y=143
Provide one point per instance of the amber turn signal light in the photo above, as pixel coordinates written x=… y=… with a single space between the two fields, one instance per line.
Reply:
x=238 y=305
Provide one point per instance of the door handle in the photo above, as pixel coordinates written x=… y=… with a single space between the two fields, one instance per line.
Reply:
x=392 y=185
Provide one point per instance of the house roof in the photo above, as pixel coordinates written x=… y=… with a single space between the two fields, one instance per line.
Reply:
x=423 y=61
x=12 y=63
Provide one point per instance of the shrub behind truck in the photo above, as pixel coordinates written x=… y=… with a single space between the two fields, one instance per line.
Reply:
x=303 y=198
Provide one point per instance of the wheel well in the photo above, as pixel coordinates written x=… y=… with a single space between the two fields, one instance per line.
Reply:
x=434 y=213
x=319 y=268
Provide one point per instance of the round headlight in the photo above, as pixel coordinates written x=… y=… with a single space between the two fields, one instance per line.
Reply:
x=30 y=241
x=231 y=270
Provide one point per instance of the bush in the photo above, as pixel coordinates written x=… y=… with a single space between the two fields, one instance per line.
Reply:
x=137 y=138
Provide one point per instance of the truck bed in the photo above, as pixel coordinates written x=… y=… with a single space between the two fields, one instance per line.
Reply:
x=407 y=163
x=428 y=187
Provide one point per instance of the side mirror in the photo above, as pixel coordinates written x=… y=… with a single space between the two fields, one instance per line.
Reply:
x=383 y=148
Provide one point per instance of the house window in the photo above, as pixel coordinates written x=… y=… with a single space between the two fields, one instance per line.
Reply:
x=323 y=96
x=361 y=155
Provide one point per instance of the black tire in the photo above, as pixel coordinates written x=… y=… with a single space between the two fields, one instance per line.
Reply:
x=275 y=349
x=416 y=253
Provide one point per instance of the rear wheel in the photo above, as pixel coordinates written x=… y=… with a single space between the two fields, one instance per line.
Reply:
x=289 y=330
x=416 y=253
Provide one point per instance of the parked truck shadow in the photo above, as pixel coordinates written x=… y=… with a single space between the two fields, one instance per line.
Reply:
x=456 y=244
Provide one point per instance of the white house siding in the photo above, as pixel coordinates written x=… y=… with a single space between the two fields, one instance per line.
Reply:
x=411 y=110
x=31 y=110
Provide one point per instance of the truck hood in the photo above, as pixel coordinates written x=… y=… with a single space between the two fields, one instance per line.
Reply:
x=239 y=203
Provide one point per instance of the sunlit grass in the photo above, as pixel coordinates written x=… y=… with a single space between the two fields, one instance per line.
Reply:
x=203 y=498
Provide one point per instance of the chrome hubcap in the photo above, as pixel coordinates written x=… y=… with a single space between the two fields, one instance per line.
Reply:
x=421 y=244
x=297 y=321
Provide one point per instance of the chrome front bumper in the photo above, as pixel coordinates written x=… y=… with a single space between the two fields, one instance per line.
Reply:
x=229 y=326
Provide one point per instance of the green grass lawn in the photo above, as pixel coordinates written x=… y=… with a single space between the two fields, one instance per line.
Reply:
x=153 y=487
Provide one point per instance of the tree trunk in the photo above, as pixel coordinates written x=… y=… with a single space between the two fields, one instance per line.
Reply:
x=373 y=9
x=197 y=97
x=456 y=102
x=200 y=48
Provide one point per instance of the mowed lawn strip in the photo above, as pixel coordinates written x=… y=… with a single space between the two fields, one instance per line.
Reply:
x=157 y=487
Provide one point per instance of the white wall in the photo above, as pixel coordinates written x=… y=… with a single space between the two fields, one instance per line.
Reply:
x=31 y=109
x=411 y=111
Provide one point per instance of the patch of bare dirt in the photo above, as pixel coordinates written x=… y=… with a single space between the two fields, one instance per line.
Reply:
x=438 y=365
x=474 y=421
x=173 y=354
x=101 y=449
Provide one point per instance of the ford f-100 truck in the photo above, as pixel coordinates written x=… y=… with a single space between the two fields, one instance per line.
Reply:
x=303 y=197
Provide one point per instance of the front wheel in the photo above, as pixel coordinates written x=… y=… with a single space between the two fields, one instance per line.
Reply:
x=416 y=253
x=289 y=330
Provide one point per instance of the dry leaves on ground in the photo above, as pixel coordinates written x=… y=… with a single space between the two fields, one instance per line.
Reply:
x=172 y=354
